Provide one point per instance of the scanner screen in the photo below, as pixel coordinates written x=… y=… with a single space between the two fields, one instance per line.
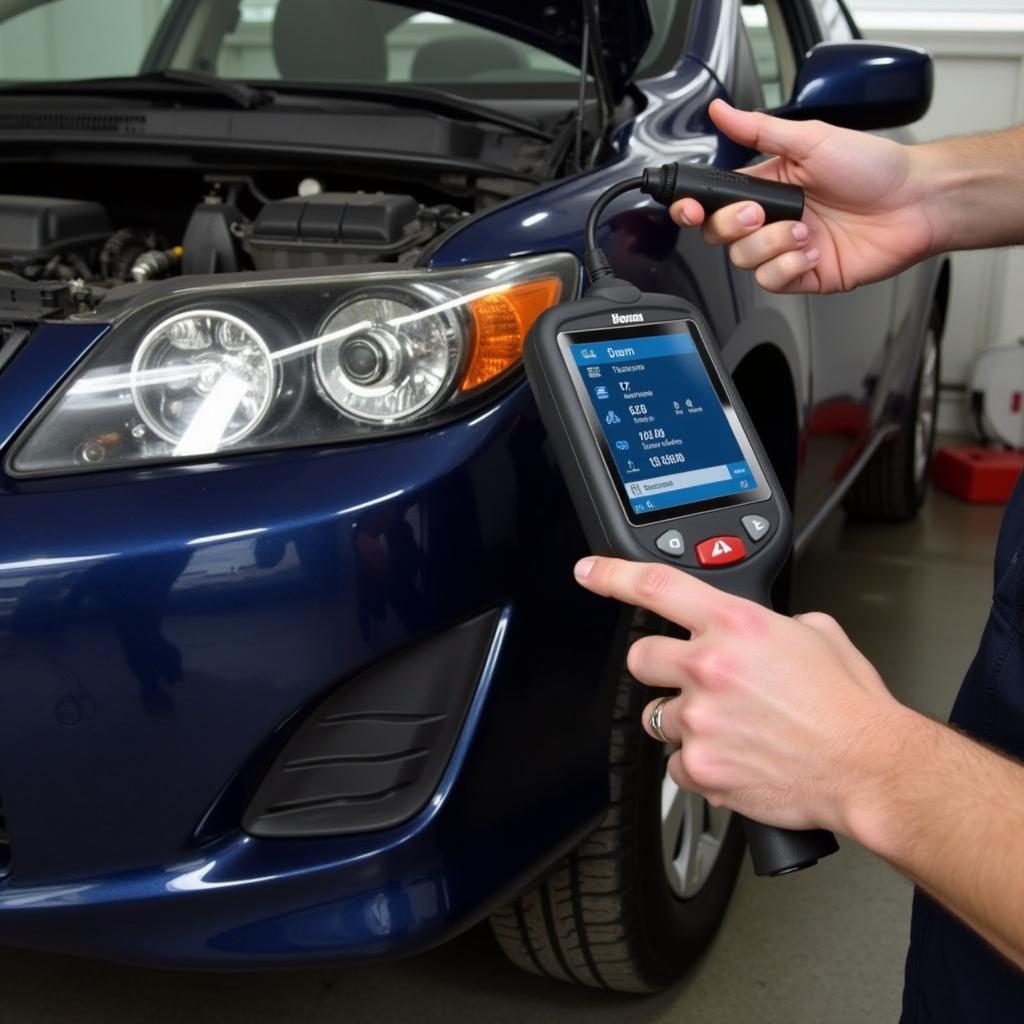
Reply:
x=669 y=434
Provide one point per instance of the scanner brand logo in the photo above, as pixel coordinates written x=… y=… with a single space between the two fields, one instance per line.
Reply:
x=627 y=318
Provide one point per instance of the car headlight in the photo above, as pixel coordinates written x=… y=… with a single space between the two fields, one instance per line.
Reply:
x=389 y=359
x=262 y=361
x=200 y=365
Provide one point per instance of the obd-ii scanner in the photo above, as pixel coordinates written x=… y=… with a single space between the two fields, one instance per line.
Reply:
x=659 y=455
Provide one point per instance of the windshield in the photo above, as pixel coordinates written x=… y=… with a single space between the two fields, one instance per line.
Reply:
x=266 y=40
x=364 y=41
x=72 y=38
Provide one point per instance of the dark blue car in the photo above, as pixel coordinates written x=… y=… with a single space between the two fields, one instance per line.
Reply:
x=292 y=665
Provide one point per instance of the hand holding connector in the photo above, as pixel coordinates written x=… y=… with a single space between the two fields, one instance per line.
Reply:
x=711 y=187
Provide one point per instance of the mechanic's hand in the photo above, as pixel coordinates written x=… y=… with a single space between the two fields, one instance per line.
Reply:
x=779 y=718
x=866 y=214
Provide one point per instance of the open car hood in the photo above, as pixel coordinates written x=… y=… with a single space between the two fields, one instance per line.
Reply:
x=557 y=27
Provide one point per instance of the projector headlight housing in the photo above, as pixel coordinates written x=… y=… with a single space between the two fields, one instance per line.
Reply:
x=392 y=355
x=262 y=361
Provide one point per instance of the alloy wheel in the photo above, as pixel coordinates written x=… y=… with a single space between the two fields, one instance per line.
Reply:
x=692 y=835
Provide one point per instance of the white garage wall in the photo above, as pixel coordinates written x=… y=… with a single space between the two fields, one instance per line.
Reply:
x=979 y=86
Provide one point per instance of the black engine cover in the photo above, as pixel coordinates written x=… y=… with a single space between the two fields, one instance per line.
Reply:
x=33 y=228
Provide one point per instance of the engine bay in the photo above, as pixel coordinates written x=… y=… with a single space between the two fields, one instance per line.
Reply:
x=228 y=224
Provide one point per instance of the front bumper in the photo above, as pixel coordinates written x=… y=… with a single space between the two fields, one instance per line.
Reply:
x=160 y=628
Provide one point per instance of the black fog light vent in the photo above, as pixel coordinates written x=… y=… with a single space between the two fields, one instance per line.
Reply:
x=371 y=755
x=5 y=844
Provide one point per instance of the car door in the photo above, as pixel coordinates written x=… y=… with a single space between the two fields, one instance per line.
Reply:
x=849 y=334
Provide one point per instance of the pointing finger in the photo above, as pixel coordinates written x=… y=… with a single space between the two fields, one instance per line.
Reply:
x=667 y=592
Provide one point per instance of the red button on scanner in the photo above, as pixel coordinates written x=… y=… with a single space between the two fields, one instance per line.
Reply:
x=717 y=551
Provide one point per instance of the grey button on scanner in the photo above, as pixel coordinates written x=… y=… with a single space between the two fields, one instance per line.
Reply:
x=757 y=527
x=671 y=542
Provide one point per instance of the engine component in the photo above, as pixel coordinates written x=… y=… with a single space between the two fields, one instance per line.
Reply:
x=122 y=249
x=36 y=229
x=211 y=243
x=156 y=263
x=336 y=228
x=23 y=304
x=30 y=302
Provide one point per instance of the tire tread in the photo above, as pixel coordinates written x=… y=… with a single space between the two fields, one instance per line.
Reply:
x=589 y=939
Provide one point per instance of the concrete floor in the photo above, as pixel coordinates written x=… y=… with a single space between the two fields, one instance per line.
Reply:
x=825 y=945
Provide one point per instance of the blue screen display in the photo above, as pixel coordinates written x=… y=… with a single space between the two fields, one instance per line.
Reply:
x=663 y=421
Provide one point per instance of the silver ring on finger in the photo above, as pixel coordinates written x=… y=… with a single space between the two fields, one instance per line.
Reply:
x=656 y=719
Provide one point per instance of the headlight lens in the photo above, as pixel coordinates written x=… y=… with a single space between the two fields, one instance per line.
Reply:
x=389 y=360
x=202 y=374
x=261 y=361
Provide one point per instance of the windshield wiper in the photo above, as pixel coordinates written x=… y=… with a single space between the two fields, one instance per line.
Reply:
x=436 y=100
x=169 y=81
x=187 y=84
x=246 y=96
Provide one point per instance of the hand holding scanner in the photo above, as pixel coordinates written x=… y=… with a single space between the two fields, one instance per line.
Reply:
x=659 y=455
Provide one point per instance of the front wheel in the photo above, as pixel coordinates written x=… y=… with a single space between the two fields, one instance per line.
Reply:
x=893 y=485
x=639 y=900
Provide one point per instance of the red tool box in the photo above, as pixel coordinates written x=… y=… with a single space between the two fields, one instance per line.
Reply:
x=977 y=474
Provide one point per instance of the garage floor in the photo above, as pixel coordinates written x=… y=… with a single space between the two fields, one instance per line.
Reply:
x=826 y=945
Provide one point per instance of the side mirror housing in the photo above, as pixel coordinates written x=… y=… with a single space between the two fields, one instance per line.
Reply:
x=862 y=85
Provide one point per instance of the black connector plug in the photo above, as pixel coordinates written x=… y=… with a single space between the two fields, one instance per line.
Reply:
x=597 y=264
x=660 y=183
x=713 y=189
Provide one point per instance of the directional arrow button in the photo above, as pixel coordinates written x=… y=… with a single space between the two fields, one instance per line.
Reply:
x=757 y=527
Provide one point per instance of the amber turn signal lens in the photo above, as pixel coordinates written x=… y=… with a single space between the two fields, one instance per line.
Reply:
x=500 y=324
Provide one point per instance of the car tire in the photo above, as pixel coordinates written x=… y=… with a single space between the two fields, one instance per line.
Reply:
x=614 y=914
x=893 y=485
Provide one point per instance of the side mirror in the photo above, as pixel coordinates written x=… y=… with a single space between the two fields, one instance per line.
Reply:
x=862 y=85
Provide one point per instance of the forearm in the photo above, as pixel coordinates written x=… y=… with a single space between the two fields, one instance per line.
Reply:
x=949 y=813
x=974 y=189
x=785 y=721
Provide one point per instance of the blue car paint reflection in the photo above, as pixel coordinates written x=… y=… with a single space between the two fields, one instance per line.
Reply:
x=251 y=585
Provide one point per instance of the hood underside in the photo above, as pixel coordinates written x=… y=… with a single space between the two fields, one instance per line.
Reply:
x=557 y=27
